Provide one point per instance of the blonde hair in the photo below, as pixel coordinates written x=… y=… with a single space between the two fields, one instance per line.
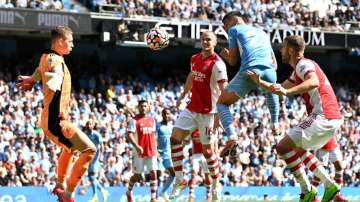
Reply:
x=296 y=42
x=60 y=32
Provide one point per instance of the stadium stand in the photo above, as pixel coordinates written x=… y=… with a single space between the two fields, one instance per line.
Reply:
x=329 y=15
x=54 y=5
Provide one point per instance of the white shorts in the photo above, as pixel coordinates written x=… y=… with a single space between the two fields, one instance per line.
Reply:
x=191 y=121
x=326 y=156
x=139 y=164
x=197 y=161
x=314 y=132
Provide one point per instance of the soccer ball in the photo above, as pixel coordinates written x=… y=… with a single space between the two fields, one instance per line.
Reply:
x=157 y=38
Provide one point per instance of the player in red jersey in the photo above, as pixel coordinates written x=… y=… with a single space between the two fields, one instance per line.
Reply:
x=142 y=135
x=198 y=161
x=206 y=80
x=323 y=121
x=331 y=153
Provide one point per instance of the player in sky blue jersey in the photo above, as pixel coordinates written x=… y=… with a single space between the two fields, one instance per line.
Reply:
x=94 y=166
x=164 y=129
x=253 y=46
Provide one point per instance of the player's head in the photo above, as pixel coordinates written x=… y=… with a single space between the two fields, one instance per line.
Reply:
x=143 y=107
x=62 y=39
x=208 y=41
x=293 y=46
x=232 y=18
x=166 y=115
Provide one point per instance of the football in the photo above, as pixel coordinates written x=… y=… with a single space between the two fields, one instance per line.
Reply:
x=157 y=38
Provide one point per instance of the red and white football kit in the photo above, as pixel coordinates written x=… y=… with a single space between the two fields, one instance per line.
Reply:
x=144 y=130
x=324 y=117
x=199 y=113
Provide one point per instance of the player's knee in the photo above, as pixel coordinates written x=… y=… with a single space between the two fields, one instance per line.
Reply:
x=89 y=153
x=175 y=138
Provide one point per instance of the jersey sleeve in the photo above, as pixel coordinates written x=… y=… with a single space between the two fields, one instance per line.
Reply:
x=233 y=37
x=54 y=71
x=131 y=126
x=219 y=71
x=303 y=68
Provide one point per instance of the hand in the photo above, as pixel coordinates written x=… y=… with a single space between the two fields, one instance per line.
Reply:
x=139 y=149
x=253 y=76
x=225 y=53
x=25 y=82
x=178 y=103
x=278 y=89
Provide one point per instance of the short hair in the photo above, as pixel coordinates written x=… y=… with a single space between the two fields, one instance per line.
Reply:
x=295 y=41
x=231 y=15
x=60 y=32
x=142 y=102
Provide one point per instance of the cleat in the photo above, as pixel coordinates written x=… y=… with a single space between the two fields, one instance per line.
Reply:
x=191 y=200
x=340 y=198
x=153 y=200
x=178 y=187
x=229 y=146
x=310 y=196
x=105 y=195
x=330 y=192
x=129 y=196
x=165 y=197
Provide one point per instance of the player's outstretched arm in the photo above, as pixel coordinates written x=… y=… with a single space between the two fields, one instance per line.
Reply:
x=310 y=82
x=27 y=82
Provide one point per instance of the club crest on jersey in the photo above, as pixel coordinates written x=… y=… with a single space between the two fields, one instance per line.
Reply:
x=205 y=67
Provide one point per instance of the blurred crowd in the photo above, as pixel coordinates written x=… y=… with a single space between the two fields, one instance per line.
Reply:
x=28 y=158
x=331 y=15
x=57 y=5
